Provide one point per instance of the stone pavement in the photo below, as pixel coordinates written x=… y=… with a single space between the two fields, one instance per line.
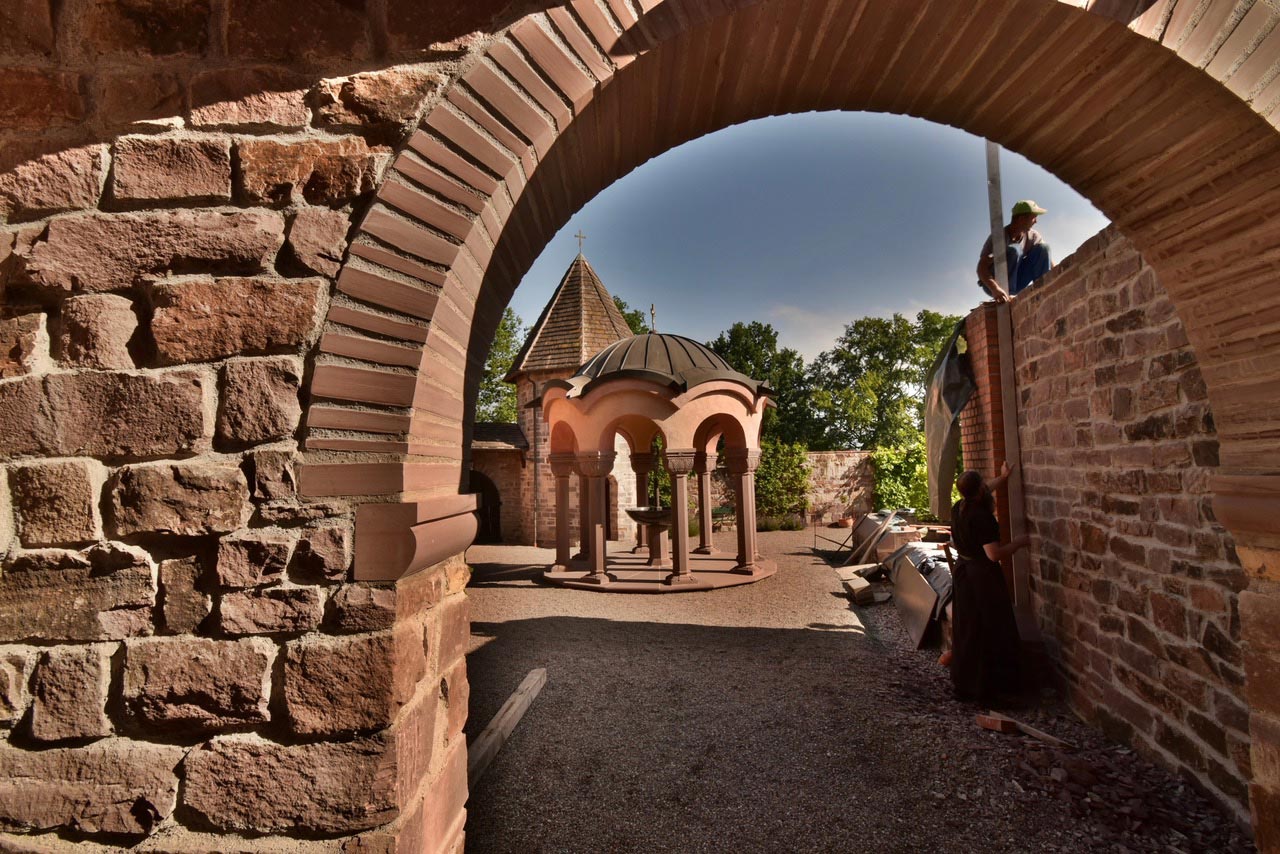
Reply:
x=775 y=717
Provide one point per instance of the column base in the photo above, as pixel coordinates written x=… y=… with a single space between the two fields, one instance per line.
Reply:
x=747 y=569
x=600 y=580
x=675 y=580
x=703 y=550
x=638 y=548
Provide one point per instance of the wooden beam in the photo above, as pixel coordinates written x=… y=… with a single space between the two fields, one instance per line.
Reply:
x=1008 y=384
x=486 y=745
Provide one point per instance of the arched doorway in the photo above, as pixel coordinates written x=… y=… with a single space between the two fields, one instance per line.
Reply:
x=490 y=508
x=566 y=106
x=1163 y=123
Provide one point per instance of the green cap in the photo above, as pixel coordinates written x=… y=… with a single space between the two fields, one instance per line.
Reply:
x=1026 y=206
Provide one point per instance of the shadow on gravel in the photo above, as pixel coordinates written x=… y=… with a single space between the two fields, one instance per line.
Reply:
x=661 y=737
x=652 y=736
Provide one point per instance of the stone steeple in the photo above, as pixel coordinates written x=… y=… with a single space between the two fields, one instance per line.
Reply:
x=579 y=321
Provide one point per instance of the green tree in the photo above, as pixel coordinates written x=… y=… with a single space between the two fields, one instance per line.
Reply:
x=633 y=316
x=497 y=399
x=752 y=349
x=782 y=479
x=869 y=388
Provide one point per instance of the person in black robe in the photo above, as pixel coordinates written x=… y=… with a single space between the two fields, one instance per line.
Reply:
x=984 y=647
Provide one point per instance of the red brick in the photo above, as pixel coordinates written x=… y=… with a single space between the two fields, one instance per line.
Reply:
x=95 y=332
x=320 y=172
x=270 y=610
x=194 y=685
x=69 y=693
x=234 y=783
x=259 y=400
x=114 y=786
x=133 y=100
x=26 y=28
x=203 y=319
x=23 y=344
x=33 y=99
x=56 y=503
x=138 y=27
x=172 y=169
x=65 y=180
x=186 y=499
x=102 y=252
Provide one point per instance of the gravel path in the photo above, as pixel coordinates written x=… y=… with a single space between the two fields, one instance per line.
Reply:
x=775 y=717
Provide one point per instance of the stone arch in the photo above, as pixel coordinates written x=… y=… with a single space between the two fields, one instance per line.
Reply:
x=561 y=105
x=544 y=122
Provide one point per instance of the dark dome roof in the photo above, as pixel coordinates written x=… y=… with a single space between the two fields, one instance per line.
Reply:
x=668 y=359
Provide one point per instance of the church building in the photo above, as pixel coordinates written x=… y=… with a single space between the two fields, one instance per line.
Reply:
x=509 y=467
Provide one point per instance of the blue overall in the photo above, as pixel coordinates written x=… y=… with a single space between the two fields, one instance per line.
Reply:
x=1024 y=267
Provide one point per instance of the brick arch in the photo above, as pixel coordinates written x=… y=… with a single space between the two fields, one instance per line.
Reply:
x=561 y=106
x=1158 y=124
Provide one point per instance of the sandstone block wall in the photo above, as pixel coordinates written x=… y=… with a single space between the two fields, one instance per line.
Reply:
x=181 y=640
x=1135 y=583
x=841 y=484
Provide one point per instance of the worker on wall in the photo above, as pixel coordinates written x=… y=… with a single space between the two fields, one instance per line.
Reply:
x=985 y=642
x=1026 y=252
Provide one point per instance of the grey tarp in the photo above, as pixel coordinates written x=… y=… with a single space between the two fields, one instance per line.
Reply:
x=948 y=387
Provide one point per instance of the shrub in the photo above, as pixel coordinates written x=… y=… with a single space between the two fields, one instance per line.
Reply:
x=902 y=478
x=782 y=480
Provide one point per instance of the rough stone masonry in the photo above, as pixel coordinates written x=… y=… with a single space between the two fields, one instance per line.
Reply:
x=203 y=237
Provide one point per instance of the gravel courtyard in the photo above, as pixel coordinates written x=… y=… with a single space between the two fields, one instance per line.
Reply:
x=776 y=717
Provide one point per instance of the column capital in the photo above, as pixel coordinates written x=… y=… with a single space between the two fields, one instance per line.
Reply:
x=679 y=461
x=642 y=463
x=741 y=460
x=596 y=463
x=703 y=462
x=563 y=465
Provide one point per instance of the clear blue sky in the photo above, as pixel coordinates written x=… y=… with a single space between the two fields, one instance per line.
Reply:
x=806 y=222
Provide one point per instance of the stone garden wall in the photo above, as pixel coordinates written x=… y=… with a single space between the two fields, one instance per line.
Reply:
x=1134 y=582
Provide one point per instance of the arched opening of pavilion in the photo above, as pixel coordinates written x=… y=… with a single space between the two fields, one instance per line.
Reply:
x=641 y=388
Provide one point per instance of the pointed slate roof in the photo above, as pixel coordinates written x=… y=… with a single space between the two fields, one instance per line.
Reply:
x=579 y=321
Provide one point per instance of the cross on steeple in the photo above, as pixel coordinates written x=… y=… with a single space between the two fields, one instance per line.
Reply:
x=581 y=237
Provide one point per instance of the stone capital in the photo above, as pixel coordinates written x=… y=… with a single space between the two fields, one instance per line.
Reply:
x=563 y=465
x=596 y=463
x=703 y=462
x=741 y=460
x=642 y=463
x=680 y=461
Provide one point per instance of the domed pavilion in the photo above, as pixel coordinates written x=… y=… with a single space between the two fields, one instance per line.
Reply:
x=642 y=388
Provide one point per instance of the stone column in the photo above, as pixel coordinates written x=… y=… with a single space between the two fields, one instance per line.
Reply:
x=679 y=464
x=1248 y=505
x=641 y=464
x=595 y=466
x=584 y=539
x=703 y=465
x=742 y=463
x=562 y=465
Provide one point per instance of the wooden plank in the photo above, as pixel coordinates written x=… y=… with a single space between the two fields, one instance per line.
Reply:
x=860 y=591
x=1028 y=729
x=486 y=745
x=996 y=723
x=858 y=554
